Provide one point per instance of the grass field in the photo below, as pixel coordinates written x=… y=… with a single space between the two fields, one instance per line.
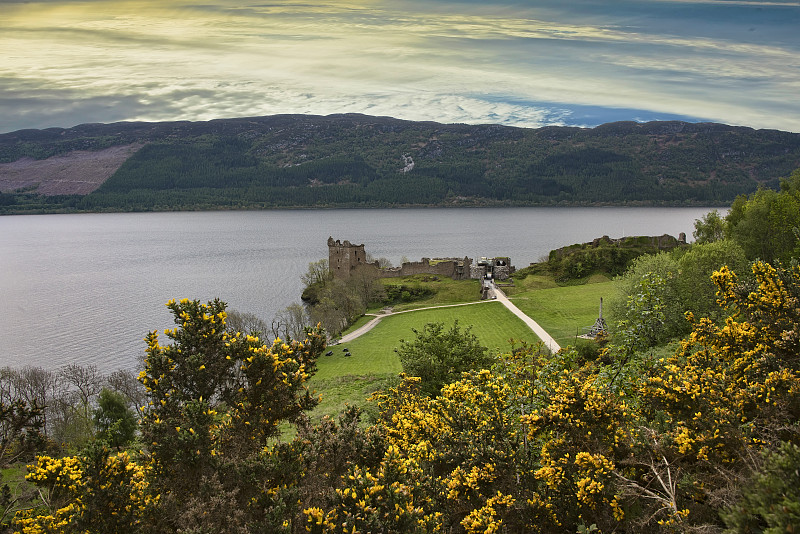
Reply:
x=562 y=311
x=373 y=364
x=447 y=291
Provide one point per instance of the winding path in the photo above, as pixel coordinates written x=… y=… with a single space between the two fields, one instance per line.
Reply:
x=360 y=331
x=546 y=338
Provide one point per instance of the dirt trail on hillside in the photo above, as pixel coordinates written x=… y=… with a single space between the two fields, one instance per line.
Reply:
x=74 y=173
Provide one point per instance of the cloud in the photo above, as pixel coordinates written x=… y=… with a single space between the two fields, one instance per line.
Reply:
x=513 y=63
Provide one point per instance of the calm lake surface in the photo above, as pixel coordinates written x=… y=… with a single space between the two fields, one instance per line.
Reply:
x=87 y=288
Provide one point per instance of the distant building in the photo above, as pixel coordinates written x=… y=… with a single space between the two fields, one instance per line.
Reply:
x=493 y=268
x=346 y=259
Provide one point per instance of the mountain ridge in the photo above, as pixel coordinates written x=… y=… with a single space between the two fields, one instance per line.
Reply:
x=346 y=160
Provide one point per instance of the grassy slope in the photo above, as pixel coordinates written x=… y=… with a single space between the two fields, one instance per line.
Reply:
x=561 y=311
x=447 y=291
x=374 y=363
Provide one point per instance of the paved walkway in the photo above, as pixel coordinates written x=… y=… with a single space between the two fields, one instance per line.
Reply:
x=546 y=338
x=548 y=341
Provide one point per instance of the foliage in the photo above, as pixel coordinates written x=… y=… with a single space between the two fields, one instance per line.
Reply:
x=115 y=422
x=732 y=390
x=765 y=224
x=406 y=293
x=601 y=256
x=579 y=441
x=656 y=291
x=709 y=229
x=336 y=303
x=205 y=368
x=94 y=492
x=770 y=500
x=695 y=267
x=126 y=383
x=20 y=430
x=318 y=272
x=439 y=356
x=649 y=308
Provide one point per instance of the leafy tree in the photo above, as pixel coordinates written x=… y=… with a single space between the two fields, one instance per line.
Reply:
x=318 y=272
x=126 y=383
x=21 y=423
x=710 y=228
x=34 y=386
x=697 y=265
x=766 y=223
x=438 y=356
x=338 y=306
x=365 y=284
x=649 y=307
x=113 y=419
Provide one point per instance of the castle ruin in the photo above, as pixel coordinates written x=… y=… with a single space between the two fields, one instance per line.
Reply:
x=345 y=259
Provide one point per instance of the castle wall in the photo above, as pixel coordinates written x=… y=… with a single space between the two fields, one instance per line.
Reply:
x=345 y=259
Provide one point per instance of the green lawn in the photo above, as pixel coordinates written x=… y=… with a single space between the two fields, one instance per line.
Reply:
x=349 y=380
x=447 y=291
x=562 y=311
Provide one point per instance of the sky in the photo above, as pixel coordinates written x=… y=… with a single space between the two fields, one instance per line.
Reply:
x=528 y=63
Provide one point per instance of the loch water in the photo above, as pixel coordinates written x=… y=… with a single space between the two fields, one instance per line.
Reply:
x=87 y=288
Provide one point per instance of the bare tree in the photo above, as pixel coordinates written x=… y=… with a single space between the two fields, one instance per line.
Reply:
x=293 y=319
x=87 y=382
x=82 y=385
x=383 y=263
x=365 y=285
x=247 y=323
x=38 y=387
x=125 y=382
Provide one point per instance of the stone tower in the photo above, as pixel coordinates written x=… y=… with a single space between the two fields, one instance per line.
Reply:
x=344 y=257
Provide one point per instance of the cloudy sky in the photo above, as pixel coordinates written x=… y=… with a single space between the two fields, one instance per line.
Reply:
x=527 y=63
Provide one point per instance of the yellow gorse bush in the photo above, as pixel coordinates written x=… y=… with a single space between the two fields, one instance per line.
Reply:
x=538 y=443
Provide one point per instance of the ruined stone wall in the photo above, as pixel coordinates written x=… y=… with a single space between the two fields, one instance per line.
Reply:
x=344 y=257
x=449 y=268
x=477 y=272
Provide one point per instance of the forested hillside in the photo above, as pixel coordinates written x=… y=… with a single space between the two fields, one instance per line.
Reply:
x=357 y=160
